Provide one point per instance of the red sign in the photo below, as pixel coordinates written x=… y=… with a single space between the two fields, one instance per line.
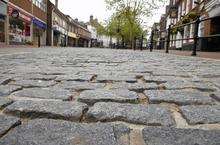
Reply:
x=21 y=14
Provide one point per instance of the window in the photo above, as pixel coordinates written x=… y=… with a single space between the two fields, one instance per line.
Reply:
x=40 y=4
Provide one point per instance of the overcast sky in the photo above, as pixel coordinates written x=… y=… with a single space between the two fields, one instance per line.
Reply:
x=82 y=9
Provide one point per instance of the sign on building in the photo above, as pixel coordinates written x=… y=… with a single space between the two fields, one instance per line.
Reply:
x=173 y=12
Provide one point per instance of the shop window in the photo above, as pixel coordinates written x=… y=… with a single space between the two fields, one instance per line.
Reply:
x=215 y=26
x=40 y=4
x=19 y=31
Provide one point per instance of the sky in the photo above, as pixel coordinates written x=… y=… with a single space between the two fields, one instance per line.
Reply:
x=82 y=9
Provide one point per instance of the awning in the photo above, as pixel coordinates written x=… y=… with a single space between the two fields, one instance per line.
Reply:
x=40 y=24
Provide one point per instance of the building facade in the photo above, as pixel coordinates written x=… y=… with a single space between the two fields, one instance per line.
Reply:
x=27 y=22
x=72 y=32
x=3 y=21
x=188 y=11
x=84 y=35
x=98 y=40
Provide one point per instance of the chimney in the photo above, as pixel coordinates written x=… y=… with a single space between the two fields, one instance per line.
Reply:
x=56 y=3
x=91 y=18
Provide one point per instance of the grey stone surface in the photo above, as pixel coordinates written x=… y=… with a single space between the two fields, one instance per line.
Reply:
x=204 y=114
x=53 y=132
x=44 y=93
x=47 y=109
x=33 y=83
x=8 y=89
x=47 y=72
x=137 y=114
x=73 y=85
x=183 y=84
x=41 y=77
x=180 y=97
x=5 y=102
x=75 y=77
x=135 y=86
x=174 y=136
x=216 y=95
x=4 y=80
x=6 y=123
x=116 y=78
x=102 y=95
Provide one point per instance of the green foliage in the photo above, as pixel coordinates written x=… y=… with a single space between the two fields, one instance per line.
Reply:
x=99 y=27
x=126 y=21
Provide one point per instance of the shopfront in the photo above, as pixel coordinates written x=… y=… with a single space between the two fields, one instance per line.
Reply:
x=72 y=39
x=39 y=32
x=19 y=26
x=3 y=13
x=59 y=36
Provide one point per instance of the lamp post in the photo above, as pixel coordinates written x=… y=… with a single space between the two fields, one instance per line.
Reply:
x=118 y=31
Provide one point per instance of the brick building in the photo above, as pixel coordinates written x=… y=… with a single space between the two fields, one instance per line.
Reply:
x=83 y=34
x=211 y=9
x=64 y=30
x=72 y=32
x=188 y=11
x=58 y=26
x=27 y=22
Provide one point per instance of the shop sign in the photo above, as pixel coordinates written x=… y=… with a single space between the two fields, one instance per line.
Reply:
x=39 y=23
x=3 y=8
x=173 y=12
x=15 y=14
x=73 y=35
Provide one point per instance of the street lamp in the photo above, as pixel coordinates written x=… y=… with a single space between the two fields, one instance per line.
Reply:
x=118 y=30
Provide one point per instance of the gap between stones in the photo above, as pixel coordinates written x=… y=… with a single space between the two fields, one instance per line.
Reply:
x=10 y=129
x=182 y=122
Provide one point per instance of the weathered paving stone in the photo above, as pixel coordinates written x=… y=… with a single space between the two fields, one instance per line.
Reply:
x=181 y=84
x=5 y=102
x=175 y=136
x=116 y=78
x=40 y=77
x=180 y=97
x=44 y=93
x=33 y=83
x=54 y=132
x=6 y=123
x=101 y=95
x=135 y=86
x=75 y=77
x=80 y=86
x=8 y=89
x=137 y=114
x=164 y=79
x=47 y=109
x=205 y=114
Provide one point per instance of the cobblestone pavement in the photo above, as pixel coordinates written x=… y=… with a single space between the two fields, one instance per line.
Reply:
x=87 y=96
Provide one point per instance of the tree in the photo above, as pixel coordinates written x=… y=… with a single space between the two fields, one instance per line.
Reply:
x=99 y=27
x=128 y=17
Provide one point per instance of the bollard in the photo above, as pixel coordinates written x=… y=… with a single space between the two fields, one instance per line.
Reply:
x=194 y=53
x=152 y=41
x=168 y=39
x=39 y=40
